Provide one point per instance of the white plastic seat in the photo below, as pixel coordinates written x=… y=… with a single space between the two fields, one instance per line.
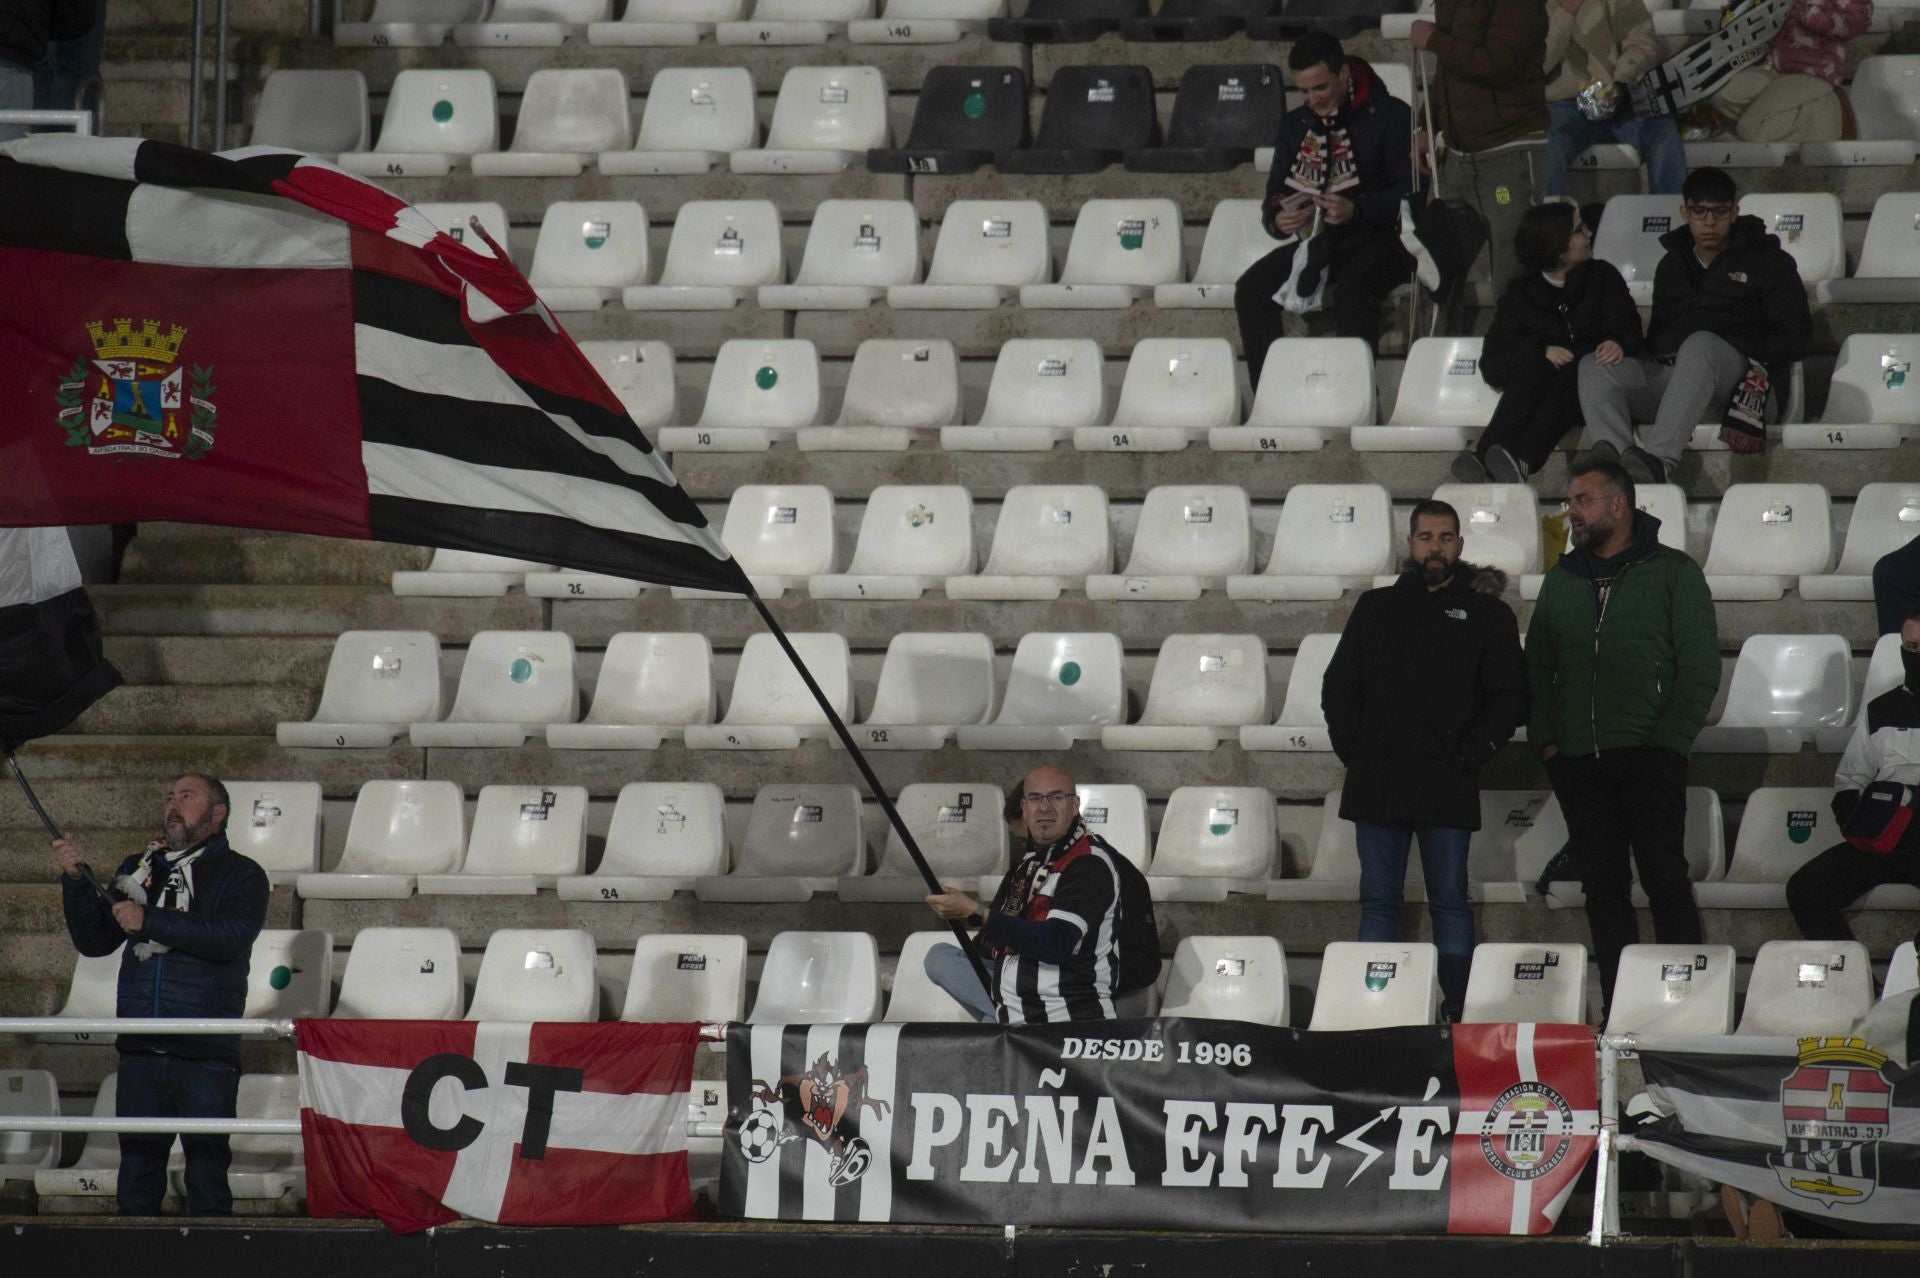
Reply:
x=987 y=250
x=1062 y=688
x=925 y=21
x=265 y=1168
x=770 y=708
x=641 y=375
x=290 y=973
x=825 y=119
x=1443 y=400
x=789 y=22
x=1785 y=688
x=1902 y=973
x=567 y=118
x=719 y=253
x=1121 y=250
x=1235 y=240
x=1500 y=524
x=455 y=217
x=664 y=23
x=1629 y=237
x=1176 y=390
x=1204 y=689
x=781 y=535
x=1188 y=540
x=588 y=253
x=1806 y=988
x=28 y=1093
x=915 y=997
x=800 y=839
x=761 y=390
x=399 y=830
x=1765 y=536
x=1369 y=985
x=536 y=974
x=855 y=250
x=1332 y=538
x=819 y=978
x=466 y=574
x=1310 y=389
x=276 y=824
x=1884 y=92
x=652 y=686
x=1302 y=724
x=695 y=118
x=1118 y=814
x=1885 y=517
x=1227 y=978
x=1048 y=539
x=930 y=685
x=97 y=1173
x=1042 y=391
x=912 y=538
x=1334 y=874
x=93 y=993
x=434 y=120
x=320 y=112
x=402 y=24
x=1808 y=224
x=896 y=390
x=1704 y=842
x=958 y=829
x=1885 y=672
x=1869 y=403
x=1889 y=266
x=514 y=683
x=524 y=837
x=1673 y=989
x=1781 y=829
x=1543 y=984
x=662 y=838
x=402 y=974
x=1214 y=840
x=1665 y=502
x=378 y=682
x=540 y=24
x=687 y=977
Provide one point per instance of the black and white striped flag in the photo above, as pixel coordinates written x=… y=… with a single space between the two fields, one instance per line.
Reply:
x=50 y=663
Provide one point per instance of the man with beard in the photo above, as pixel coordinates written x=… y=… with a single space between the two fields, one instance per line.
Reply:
x=1070 y=935
x=187 y=910
x=1876 y=779
x=1426 y=684
x=1625 y=660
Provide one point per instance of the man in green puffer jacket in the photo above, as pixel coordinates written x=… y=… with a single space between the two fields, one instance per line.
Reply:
x=1624 y=656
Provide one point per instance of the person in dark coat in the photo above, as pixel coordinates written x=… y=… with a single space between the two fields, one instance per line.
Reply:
x=1564 y=305
x=1341 y=166
x=184 y=914
x=1425 y=686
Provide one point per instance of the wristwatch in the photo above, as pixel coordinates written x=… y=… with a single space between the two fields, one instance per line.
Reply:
x=976 y=919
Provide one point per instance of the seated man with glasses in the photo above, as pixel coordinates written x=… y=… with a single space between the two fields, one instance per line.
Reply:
x=1070 y=935
x=1729 y=320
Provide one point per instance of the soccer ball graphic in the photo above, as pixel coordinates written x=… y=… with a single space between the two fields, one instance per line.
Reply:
x=760 y=1135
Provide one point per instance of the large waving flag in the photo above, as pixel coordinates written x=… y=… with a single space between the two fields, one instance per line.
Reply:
x=259 y=339
x=50 y=663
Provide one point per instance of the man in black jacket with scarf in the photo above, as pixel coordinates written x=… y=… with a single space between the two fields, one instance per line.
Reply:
x=1341 y=166
x=1427 y=683
x=187 y=910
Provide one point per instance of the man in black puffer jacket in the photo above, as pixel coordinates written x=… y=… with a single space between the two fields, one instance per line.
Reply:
x=187 y=909
x=1427 y=683
x=26 y=26
x=1730 y=319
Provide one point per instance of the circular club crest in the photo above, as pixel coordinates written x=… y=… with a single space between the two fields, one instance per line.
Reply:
x=1527 y=1132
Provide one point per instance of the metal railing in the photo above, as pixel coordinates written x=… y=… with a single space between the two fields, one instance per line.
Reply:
x=80 y=122
x=197 y=74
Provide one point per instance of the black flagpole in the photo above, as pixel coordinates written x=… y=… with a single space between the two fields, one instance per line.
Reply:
x=873 y=782
x=86 y=871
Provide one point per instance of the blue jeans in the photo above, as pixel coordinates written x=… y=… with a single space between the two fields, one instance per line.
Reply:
x=947 y=967
x=1656 y=138
x=153 y=1085
x=16 y=94
x=1383 y=877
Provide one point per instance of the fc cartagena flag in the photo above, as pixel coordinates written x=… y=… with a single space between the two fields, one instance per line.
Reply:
x=423 y=1122
x=262 y=340
x=50 y=663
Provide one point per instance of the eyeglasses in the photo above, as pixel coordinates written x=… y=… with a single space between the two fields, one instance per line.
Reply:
x=1051 y=799
x=1710 y=212
x=1581 y=228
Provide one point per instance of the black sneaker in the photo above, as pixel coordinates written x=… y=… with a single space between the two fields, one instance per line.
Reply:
x=1602 y=451
x=1643 y=466
x=1503 y=467
x=1468 y=468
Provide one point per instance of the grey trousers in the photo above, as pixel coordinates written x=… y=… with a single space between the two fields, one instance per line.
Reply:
x=1674 y=399
x=1500 y=185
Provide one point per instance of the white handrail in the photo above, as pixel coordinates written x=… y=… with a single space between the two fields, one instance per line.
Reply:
x=701 y=1128
x=80 y=122
x=242 y=1027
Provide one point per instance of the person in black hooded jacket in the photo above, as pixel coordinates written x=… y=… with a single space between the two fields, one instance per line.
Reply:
x=1565 y=304
x=1425 y=686
x=26 y=27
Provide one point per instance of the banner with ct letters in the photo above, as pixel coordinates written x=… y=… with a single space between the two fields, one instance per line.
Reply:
x=1172 y=1123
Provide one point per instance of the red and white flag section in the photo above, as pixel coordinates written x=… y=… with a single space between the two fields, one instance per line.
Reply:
x=262 y=340
x=422 y=1122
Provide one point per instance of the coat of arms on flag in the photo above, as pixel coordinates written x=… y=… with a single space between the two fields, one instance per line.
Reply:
x=130 y=399
x=1835 y=1109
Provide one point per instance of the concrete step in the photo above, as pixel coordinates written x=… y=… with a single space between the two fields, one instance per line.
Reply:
x=322 y=611
x=168 y=554
x=277 y=17
x=150 y=709
x=162 y=758
x=25 y=856
x=27 y=908
x=190 y=661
